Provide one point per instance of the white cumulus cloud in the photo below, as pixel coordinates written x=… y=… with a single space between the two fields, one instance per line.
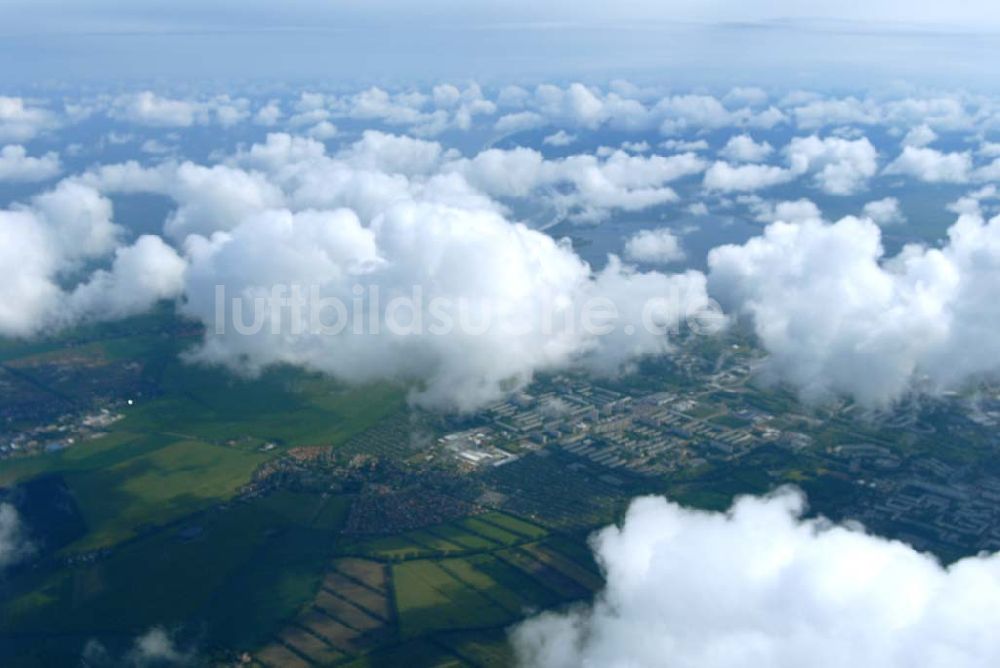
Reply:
x=658 y=246
x=885 y=211
x=745 y=178
x=21 y=121
x=17 y=165
x=837 y=317
x=148 y=108
x=920 y=136
x=759 y=585
x=839 y=167
x=560 y=138
x=491 y=301
x=45 y=243
x=931 y=165
x=14 y=543
x=743 y=148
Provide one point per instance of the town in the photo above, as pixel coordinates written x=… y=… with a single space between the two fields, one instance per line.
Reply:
x=571 y=451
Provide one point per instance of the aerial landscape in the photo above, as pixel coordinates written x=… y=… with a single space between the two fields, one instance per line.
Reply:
x=499 y=334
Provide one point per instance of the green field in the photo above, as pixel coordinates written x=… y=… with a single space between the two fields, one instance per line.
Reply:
x=430 y=598
x=160 y=536
x=488 y=649
x=469 y=535
x=515 y=525
x=419 y=652
x=209 y=567
x=196 y=441
x=157 y=487
x=285 y=405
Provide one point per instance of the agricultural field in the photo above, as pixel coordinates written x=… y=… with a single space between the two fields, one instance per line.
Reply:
x=154 y=521
x=449 y=600
x=193 y=439
x=238 y=571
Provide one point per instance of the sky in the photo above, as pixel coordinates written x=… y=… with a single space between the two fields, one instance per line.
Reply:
x=387 y=41
x=101 y=15
x=824 y=173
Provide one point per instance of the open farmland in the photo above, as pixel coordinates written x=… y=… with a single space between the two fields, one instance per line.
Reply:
x=393 y=595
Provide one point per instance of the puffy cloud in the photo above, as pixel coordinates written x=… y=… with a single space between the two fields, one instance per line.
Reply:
x=496 y=302
x=916 y=114
x=304 y=176
x=794 y=210
x=141 y=275
x=309 y=117
x=931 y=165
x=17 y=165
x=155 y=147
x=148 y=108
x=823 y=112
x=394 y=154
x=391 y=218
x=745 y=178
x=466 y=105
x=742 y=148
x=920 y=136
x=44 y=244
x=658 y=246
x=989 y=149
x=767 y=119
x=837 y=318
x=576 y=105
x=697 y=209
x=209 y=198
x=269 y=114
x=513 y=96
x=20 y=122
x=14 y=543
x=519 y=122
x=621 y=181
x=945 y=113
x=446 y=95
x=759 y=585
x=626 y=107
x=750 y=95
x=513 y=173
x=971 y=203
x=635 y=146
x=155 y=647
x=699 y=111
x=684 y=145
x=789 y=211
x=229 y=111
x=323 y=131
x=213 y=197
x=841 y=166
x=631 y=108
x=424 y=115
x=988 y=172
x=885 y=211
x=309 y=101
x=682 y=112
x=560 y=138
x=29 y=262
x=620 y=106
x=78 y=221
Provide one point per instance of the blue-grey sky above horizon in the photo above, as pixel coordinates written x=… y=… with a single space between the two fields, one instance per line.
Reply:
x=841 y=44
